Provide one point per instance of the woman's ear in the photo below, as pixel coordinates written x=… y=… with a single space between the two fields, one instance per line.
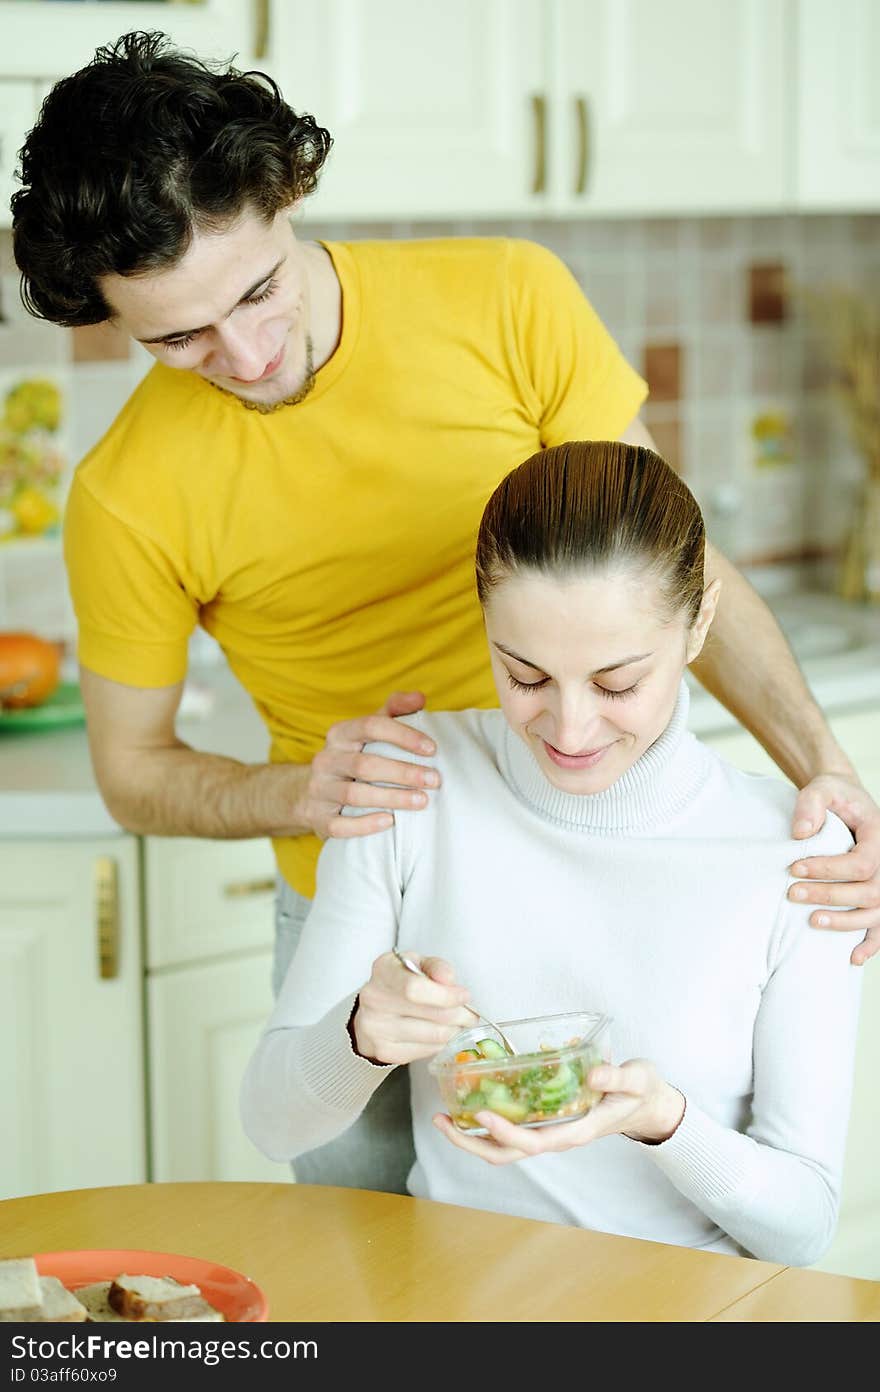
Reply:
x=703 y=621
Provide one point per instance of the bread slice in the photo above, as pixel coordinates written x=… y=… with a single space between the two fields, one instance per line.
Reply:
x=155 y=1298
x=20 y=1295
x=209 y=1316
x=59 y=1305
x=94 y=1299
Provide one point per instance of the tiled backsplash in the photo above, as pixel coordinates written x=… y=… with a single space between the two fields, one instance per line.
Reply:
x=711 y=311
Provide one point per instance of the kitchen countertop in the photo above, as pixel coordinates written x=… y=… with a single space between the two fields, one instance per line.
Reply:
x=47 y=788
x=837 y=645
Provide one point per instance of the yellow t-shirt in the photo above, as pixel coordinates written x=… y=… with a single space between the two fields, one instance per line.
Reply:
x=328 y=546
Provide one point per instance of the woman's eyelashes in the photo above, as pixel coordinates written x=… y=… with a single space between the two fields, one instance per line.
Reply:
x=619 y=695
x=262 y=294
x=526 y=686
x=605 y=691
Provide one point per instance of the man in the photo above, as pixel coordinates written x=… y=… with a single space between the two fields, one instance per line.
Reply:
x=303 y=473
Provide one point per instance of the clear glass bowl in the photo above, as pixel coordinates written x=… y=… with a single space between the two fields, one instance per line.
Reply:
x=543 y=1083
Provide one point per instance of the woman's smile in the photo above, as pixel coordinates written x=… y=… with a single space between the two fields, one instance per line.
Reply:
x=587 y=759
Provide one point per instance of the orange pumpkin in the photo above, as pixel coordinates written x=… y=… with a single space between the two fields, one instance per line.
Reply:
x=30 y=670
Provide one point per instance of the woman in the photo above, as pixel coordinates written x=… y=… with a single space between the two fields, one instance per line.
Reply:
x=585 y=852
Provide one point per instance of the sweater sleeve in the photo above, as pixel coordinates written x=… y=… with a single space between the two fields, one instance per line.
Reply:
x=775 y=1187
x=304 y=1084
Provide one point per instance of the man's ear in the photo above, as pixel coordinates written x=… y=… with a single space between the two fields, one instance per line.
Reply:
x=703 y=621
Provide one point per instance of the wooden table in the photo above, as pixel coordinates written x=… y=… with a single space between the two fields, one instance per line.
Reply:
x=352 y=1255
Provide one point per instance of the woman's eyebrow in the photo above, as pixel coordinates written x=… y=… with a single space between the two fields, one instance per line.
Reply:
x=516 y=657
x=599 y=672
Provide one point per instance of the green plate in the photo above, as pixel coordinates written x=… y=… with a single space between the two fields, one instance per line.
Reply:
x=63 y=707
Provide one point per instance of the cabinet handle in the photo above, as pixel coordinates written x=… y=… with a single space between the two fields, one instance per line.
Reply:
x=539 y=117
x=107 y=917
x=261 y=28
x=238 y=889
x=583 y=129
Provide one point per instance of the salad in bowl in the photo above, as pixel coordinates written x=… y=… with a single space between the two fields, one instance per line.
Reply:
x=544 y=1082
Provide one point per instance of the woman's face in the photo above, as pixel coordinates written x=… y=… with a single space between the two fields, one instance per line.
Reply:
x=588 y=668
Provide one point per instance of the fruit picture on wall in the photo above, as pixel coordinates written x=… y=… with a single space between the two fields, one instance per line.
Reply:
x=31 y=458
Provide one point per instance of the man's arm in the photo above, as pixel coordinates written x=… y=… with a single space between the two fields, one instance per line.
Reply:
x=154 y=784
x=748 y=665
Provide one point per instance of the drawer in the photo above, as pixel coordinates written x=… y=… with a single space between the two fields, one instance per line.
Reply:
x=204 y=898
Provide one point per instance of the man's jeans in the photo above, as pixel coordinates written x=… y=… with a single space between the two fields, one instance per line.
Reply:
x=377 y=1151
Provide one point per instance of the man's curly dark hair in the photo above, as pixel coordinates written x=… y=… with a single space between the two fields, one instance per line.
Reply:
x=135 y=152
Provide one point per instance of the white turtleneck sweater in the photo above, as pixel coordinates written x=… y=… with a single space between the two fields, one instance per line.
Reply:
x=661 y=902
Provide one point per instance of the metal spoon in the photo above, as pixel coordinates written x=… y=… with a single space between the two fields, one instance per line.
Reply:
x=417 y=971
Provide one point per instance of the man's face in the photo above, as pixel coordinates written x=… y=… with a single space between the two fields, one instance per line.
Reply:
x=234 y=309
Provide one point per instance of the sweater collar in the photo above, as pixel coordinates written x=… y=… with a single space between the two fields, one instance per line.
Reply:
x=655 y=788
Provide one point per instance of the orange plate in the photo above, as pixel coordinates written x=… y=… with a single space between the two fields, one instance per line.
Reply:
x=239 y=1299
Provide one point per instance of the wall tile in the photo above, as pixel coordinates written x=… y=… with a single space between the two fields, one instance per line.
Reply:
x=608 y=293
x=721 y=300
x=662 y=300
x=717 y=233
x=660 y=235
x=27 y=343
x=772 y=363
x=667 y=437
x=712 y=310
x=662 y=367
x=716 y=368
x=100 y=343
x=768 y=292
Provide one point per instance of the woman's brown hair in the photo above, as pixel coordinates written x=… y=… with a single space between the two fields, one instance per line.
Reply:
x=595 y=503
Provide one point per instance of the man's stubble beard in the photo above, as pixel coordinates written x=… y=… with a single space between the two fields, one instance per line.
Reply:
x=266 y=408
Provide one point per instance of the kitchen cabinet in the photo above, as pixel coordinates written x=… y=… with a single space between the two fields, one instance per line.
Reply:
x=676 y=107
x=50 y=38
x=71 y=1039
x=209 y=932
x=19 y=105
x=434 y=109
x=93 y=1064
x=838 y=112
x=855 y=1250
x=515 y=107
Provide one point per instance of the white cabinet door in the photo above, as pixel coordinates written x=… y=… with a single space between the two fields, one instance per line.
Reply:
x=677 y=106
x=435 y=110
x=51 y=39
x=855 y=1250
x=839 y=104
x=71 y=1044
x=18 y=112
x=203 y=1024
x=207 y=898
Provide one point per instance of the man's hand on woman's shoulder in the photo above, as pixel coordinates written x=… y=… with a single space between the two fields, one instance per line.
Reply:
x=342 y=775
x=853 y=878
